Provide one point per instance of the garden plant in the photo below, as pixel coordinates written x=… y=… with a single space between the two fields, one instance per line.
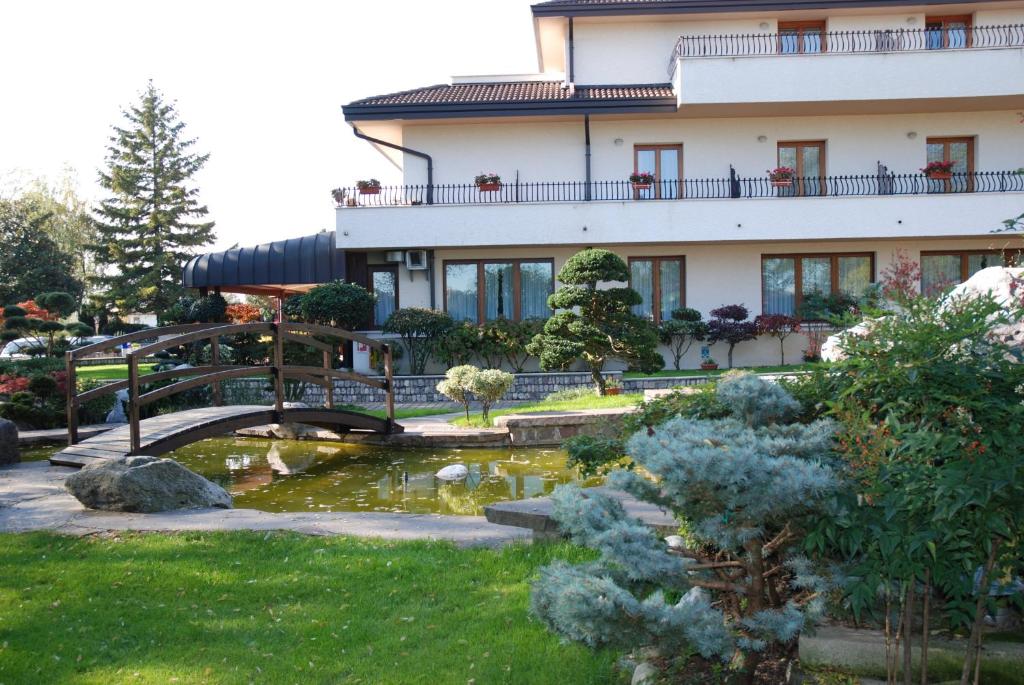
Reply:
x=681 y=331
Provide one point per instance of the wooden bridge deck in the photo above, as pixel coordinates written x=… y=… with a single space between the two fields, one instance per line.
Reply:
x=164 y=433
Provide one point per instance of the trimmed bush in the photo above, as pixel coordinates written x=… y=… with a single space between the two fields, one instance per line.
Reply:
x=420 y=329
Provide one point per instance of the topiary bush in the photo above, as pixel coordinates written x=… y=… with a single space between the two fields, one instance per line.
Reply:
x=736 y=588
x=681 y=331
x=420 y=329
x=341 y=304
x=489 y=386
x=729 y=325
x=458 y=385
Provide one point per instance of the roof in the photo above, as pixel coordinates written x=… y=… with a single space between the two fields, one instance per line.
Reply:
x=298 y=261
x=511 y=99
x=577 y=8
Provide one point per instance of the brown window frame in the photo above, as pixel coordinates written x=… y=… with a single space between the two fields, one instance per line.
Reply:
x=656 y=305
x=656 y=148
x=800 y=27
x=370 y=270
x=481 y=304
x=944 y=20
x=945 y=142
x=798 y=189
x=798 y=284
x=963 y=255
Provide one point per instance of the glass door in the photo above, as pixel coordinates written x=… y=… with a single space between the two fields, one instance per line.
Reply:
x=384 y=286
x=807 y=159
x=960 y=151
x=944 y=33
x=665 y=162
x=801 y=37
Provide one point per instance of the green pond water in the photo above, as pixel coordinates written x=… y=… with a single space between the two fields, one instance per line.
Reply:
x=280 y=475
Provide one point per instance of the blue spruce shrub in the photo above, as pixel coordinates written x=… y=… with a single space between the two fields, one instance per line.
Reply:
x=745 y=487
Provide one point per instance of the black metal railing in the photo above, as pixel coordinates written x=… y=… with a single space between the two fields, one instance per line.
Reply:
x=692 y=189
x=848 y=42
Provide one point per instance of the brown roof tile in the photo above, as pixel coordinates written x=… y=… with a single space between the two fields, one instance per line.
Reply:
x=515 y=92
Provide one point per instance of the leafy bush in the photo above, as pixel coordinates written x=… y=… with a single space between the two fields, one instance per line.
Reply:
x=593 y=324
x=777 y=326
x=489 y=386
x=458 y=385
x=419 y=329
x=729 y=325
x=594 y=454
x=513 y=338
x=341 y=304
x=459 y=345
x=681 y=331
x=746 y=487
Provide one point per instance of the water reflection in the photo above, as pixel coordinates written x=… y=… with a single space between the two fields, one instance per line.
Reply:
x=310 y=476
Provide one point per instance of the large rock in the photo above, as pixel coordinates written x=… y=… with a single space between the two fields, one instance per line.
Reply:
x=144 y=484
x=8 y=443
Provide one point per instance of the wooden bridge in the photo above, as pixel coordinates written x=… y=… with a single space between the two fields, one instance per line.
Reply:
x=163 y=433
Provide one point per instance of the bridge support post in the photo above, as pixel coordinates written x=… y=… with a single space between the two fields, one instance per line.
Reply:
x=329 y=390
x=133 y=403
x=71 y=392
x=218 y=395
x=278 y=367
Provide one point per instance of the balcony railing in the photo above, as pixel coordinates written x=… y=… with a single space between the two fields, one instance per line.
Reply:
x=847 y=42
x=733 y=187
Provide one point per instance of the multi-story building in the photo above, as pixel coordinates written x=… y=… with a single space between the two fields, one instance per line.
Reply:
x=709 y=96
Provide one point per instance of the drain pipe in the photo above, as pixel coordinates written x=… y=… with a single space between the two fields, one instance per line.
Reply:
x=586 y=136
x=571 y=71
x=415 y=153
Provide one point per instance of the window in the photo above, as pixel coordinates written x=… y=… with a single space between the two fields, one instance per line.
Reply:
x=800 y=37
x=939 y=270
x=807 y=158
x=383 y=281
x=786 y=279
x=666 y=163
x=512 y=289
x=948 y=32
x=661 y=282
x=960 y=151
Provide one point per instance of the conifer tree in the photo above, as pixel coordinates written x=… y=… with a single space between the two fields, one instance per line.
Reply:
x=151 y=222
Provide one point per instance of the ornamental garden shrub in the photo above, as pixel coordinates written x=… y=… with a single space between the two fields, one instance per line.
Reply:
x=513 y=337
x=458 y=385
x=464 y=383
x=420 y=329
x=778 y=326
x=681 y=331
x=729 y=325
x=736 y=588
x=595 y=324
x=459 y=345
x=340 y=304
x=38 y=321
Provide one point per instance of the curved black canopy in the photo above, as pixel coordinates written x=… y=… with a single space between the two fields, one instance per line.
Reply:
x=281 y=266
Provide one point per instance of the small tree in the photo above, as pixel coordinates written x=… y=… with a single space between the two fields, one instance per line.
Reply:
x=489 y=386
x=340 y=304
x=594 y=324
x=729 y=325
x=681 y=331
x=514 y=336
x=37 y=320
x=243 y=312
x=458 y=384
x=778 y=326
x=419 y=330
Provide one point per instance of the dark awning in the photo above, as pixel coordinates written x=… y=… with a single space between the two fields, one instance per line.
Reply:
x=281 y=267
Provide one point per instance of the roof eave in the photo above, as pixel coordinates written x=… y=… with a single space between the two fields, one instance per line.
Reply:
x=711 y=7
x=509 y=109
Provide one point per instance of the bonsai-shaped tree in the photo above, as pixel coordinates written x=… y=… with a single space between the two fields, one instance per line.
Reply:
x=340 y=304
x=419 y=329
x=681 y=331
x=489 y=386
x=458 y=385
x=729 y=325
x=38 y=320
x=745 y=486
x=778 y=326
x=594 y=324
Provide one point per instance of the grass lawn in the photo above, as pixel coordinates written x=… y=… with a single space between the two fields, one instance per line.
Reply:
x=589 y=402
x=110 y=372
x=400 y=413
x=277 y=608
x=699 y=372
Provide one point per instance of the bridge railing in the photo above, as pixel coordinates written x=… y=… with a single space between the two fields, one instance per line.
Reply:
x=215 y=373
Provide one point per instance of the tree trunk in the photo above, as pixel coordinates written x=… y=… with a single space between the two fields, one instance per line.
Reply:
x=599 y=380
x=782 y=351
x=974 y=643
x=755 y=597
x=925 y=618
x=731 y=346
x=908 y=632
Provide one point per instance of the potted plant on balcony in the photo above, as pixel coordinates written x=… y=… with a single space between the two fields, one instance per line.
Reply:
x=641 y=180
x=781 y=177
x=939 y=171
x=612 y=386
x=488 y=183
x=708 y=364
x=370 y=187
x=339 y=195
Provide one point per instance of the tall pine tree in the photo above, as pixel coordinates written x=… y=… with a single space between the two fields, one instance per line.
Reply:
x=149 y=225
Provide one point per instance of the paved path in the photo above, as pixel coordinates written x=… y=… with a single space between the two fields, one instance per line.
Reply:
x=32 y=497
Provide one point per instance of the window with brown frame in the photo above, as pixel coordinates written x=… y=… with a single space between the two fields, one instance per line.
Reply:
x=661 y=282
x=943 y=33
x=383 y=283
x=486 y=290
x=666 y=163
x=801 y=37
x=807 y=159
x=960 y=151
x=786 y=279
x=941 y=269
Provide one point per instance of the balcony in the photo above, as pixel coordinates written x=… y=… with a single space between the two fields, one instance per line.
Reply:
x=885 y=205
x=935 y=70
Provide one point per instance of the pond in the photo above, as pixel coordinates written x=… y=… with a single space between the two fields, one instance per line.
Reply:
x=288 y=476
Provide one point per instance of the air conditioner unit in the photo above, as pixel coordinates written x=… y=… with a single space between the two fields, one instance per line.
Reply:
x=415 y=260
x=395 y=256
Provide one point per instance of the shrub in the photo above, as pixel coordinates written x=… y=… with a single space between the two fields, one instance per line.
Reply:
x=459 y=345
x=419 y=329
x=593 y=324
x=569 y=394
x=209 y=309
x=729 y=325
x=778 y=326
x=514 y=336
x=37 y=320
x=341 y=304
x=746 y=486
x=243 y=312
x=489 y=386
x=458 y=385
x=681 y=331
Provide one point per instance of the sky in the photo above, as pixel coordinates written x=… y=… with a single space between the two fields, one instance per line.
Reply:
x=259 y=84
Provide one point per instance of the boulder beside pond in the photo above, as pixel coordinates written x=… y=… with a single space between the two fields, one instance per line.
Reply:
x=145 y=485
x=9 y=453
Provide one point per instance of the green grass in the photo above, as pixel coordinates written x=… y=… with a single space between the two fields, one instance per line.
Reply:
x=788 y=368
x=277 y=608
x=110 y=372
x=400 y=413
x=589 y=402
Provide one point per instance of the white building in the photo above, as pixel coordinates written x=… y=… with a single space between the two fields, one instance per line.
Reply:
x=708 y=95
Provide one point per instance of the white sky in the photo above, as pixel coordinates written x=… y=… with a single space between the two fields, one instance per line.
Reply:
x=260 y=84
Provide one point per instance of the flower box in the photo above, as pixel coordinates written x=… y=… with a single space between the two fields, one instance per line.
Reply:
x=940 y=175
x=939 y=171
x=641 y=186
x=488 y=187
x=708 y=366
x=782 y=183
x=613 y=391
x=370 y=190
